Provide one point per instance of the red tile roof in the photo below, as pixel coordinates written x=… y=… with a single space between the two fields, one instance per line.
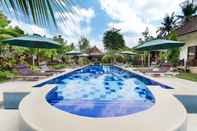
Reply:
x=188 y=27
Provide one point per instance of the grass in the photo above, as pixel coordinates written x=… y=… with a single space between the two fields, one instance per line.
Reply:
x=6 y=76
x=58 y=66
x=188 y=76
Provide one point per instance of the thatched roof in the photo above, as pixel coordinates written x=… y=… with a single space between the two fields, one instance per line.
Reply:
x=94 y=51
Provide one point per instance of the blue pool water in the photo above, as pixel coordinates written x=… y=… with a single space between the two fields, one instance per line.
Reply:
x=101 y=91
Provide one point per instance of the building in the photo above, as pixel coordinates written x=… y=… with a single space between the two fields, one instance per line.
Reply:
x=95 y=54
x=188 y=34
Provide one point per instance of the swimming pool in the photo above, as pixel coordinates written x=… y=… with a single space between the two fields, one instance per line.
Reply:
x=101 y=91
x=101 y=98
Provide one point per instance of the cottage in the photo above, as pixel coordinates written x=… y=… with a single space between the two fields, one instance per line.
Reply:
x=188 y=34
x=95 y=54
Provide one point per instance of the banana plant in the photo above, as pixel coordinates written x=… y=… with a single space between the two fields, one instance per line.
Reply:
x=40 y=12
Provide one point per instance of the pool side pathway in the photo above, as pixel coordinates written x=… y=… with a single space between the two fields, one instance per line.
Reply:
x=181 y=86
x=15 y=86
x=9 y=117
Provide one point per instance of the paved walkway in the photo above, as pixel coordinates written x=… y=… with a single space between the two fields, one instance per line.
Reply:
x=15 y=86
x=9 y=120
x=181 y=86
x=22 y=86
x=192 y=120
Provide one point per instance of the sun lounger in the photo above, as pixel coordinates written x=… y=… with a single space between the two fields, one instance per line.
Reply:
x=44 y=68
x=27 y=74
x=163 y=70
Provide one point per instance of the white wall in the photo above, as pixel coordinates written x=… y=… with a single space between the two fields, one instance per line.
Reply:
x=190 y=40
x=183 y=54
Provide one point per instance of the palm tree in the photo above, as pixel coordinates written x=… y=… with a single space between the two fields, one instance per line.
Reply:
x=40 y=12
x=168 y=25
x=188 y=11
x=84 y=44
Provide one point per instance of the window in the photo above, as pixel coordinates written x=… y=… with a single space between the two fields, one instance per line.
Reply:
x=192 y=53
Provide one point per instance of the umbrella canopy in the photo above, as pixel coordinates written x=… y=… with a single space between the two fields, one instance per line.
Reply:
x=159 y=44
x=128 y=53
x=33 y=41
x=74 y=53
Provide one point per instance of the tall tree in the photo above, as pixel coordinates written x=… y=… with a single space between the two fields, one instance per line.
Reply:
x=64 y=48
x=72 y=45
x=3 y=20
x=168 y=25
x=113 y=40
x=6 y=31
x=173 y=54
x=84 y=44
x=146 y=36
x=59 y=39
x=188 y=11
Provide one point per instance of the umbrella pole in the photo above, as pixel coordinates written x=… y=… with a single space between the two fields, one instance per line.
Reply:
x=37 y=55
x=33 y=60
x=149 y=57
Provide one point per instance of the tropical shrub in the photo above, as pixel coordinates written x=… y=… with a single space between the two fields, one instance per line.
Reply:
x=108 y=59
x=163 y=56
x=6 y=75
x=58 y=66
x=173 y=56
x=83 y=61
x=120 y=59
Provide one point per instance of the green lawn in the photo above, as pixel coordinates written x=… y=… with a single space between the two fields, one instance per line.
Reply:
x=5 y=76
x=188 y=76
x=3 y=80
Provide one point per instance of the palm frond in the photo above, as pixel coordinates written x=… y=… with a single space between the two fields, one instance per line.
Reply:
x=188 y=11
x=40 y=12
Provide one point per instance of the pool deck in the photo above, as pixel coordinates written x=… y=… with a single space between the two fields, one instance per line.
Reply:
x=9 y=122
x=23 y=86
x=181 y=86
x=167 y=107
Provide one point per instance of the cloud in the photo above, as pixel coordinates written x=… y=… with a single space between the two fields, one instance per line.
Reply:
x=29 y=28
x=133 y=16
x=76 y=25
x=123 y=16
x=70 y=25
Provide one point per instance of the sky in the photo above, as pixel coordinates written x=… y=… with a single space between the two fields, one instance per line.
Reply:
x=94 y=17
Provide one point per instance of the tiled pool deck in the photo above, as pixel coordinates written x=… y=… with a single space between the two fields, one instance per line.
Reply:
x=181 y=87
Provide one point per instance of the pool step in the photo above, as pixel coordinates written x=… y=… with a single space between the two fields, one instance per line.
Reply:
x=192 y=122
